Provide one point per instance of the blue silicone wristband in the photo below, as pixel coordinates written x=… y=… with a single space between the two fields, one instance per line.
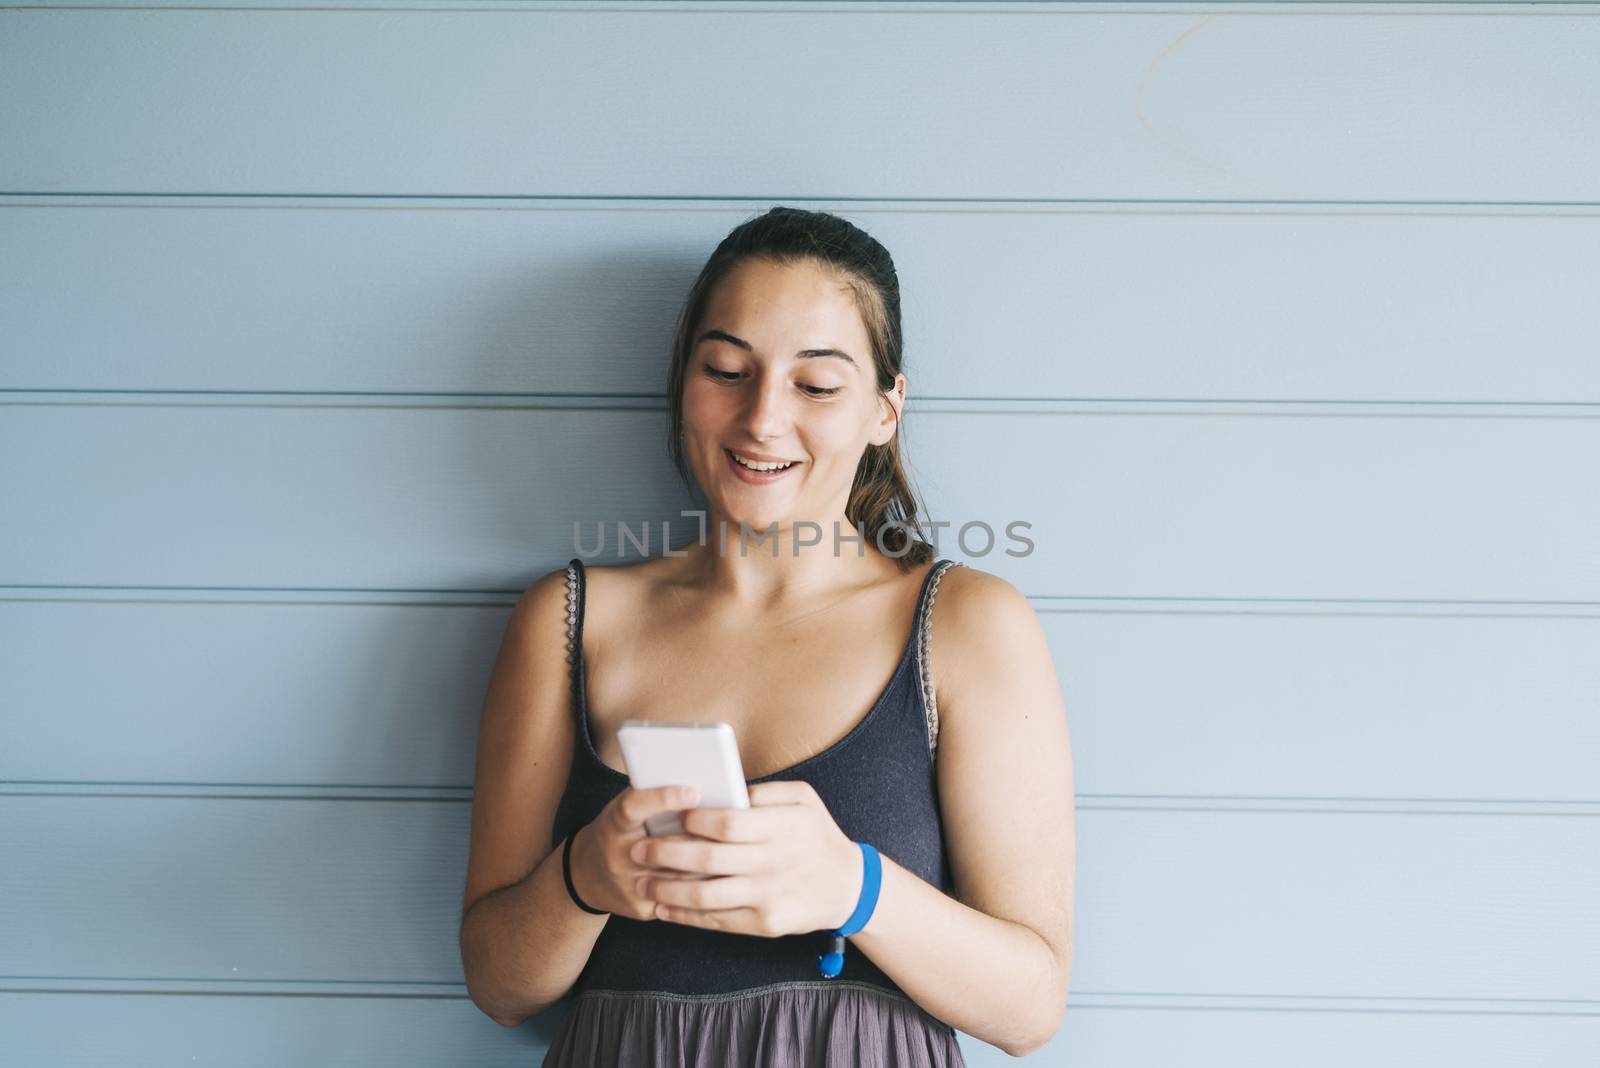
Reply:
x=832 y=962
x=871 y=880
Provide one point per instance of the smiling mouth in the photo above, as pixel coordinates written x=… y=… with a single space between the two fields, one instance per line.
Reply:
x=758 y=468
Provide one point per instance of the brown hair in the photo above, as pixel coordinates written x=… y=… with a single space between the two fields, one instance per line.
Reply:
x=881 y=498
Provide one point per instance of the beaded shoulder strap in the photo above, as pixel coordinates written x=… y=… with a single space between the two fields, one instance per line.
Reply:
x=925 y=650
x=575 y=629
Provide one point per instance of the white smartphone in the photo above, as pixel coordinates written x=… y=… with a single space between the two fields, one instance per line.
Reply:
x=703 y=755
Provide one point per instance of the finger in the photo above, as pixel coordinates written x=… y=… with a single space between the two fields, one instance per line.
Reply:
x=693 y=853
x=635 y=806
x=726 y=892
x=734 y=921
x=735 y=824
x=782 y=792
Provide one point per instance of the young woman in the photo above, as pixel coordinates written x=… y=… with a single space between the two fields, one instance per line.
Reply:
x=933 y=803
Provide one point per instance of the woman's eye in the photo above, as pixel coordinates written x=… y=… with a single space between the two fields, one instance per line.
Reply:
x=729 y=376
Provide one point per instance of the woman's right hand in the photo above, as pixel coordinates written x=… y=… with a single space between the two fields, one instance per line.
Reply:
x=603 y=873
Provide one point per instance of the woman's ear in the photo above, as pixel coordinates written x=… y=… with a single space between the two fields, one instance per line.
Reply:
x=892 y=401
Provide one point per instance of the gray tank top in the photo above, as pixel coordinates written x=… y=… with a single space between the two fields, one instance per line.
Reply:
x=879 y=785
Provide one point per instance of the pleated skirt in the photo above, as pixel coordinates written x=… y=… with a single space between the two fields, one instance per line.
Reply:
x=785 y=1025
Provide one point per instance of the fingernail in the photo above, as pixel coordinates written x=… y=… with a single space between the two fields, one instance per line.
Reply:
x=688 y=795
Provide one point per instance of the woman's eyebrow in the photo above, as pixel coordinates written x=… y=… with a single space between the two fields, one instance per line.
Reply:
x=803 y=354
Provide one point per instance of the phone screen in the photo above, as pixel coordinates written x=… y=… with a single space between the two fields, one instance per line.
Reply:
x=703 y=755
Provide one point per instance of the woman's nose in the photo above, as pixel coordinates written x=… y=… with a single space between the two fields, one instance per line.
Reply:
x=766 y=412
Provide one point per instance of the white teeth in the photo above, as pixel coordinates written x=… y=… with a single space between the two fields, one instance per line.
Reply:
x=752 y=465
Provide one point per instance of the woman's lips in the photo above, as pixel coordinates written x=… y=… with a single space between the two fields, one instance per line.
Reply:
x=756 y=478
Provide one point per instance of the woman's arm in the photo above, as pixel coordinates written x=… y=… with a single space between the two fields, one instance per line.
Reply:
x=522 y=946
x=995 y=963
x=523 y=942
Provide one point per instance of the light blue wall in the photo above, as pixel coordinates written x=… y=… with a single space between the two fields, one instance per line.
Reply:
x=319 y=327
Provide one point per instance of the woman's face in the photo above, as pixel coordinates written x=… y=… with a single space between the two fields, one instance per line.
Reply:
x=780 y=369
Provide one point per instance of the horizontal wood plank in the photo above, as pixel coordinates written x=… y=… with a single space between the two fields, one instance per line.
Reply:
x=1189 y=704
x=1045 y=102
x=153 y=1030
x=1118 y=504
x=1386 y=905
x=998 y=300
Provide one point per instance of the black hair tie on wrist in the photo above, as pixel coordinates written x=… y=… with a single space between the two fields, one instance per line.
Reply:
x=566 y=873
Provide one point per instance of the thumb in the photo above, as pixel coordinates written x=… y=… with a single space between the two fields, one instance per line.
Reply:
x=640 y=805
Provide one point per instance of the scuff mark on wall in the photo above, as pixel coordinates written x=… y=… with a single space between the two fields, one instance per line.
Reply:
x=1148 y=79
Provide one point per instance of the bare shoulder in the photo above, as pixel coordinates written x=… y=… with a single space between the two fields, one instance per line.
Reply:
x=968 y=591
x=535 y=636
x=976 y=617
x=992 y=665
x=616 y=593
x=622 y=574
x=544 y=593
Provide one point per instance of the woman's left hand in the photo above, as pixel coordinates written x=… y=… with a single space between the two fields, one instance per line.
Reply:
x=781 y=866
